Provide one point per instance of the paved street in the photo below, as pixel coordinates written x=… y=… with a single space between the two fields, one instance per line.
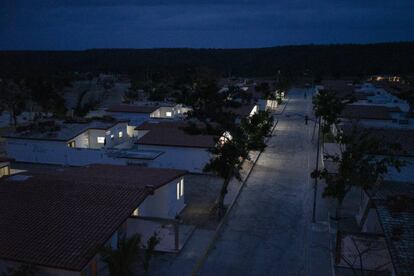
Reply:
x=269 y=230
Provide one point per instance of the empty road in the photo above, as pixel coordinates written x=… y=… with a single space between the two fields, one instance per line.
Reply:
x=267 y=231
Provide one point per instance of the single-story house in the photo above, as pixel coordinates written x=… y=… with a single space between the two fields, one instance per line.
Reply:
x=404 y=138
x=386 y=220
x=4 y=166
x=66 y=143
x=181 y=150
x=137 y=114
x=243 y=111
x=57 y=220
x=373 y=115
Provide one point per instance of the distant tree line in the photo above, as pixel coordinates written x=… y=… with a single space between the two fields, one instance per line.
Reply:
x=321 y=60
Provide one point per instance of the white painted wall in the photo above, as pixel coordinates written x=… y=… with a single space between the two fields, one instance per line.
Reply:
x=164 y=203
x=175 y=111
x=190 y=159
x=120 y=127
x=82 y=140
x=93 y=135
x=372 y=224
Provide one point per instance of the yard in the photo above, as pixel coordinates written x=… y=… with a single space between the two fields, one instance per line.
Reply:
x=201 y=192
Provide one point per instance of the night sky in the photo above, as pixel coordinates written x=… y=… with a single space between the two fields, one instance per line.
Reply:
x=83 y=24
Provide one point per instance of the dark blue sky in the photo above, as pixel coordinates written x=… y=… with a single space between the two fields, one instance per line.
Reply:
x=83 y=24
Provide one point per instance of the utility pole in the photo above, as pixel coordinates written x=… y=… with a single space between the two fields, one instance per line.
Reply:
x=315 y=187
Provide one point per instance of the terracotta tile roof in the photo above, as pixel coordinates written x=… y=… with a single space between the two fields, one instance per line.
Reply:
x=60 y=218
x=132 y=108
x=341 y=88
x=173 y=134
x=241 y=111
x=403 y=137
x=371 y=112
x=397 y=223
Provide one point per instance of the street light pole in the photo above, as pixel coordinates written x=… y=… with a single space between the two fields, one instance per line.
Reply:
x=315 y=187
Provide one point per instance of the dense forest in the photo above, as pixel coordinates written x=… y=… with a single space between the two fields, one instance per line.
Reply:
x=322 y=60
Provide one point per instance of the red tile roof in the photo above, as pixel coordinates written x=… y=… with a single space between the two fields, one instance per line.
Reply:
x=341 y=88
x=173 y=134
x=392 y=215
x=241 y=111
x=132 y=108
x=372 y=112
x=61 y=218
x=402 y=137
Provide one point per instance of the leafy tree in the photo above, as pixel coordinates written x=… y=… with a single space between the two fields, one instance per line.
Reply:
x=44 y=91
x=208 y=106
x=264 y=88
x=131 y=95
x=359 y=164
x=121 y=260
x=159 y=92
x=13 y=95
x=149 y=251
x=257 y=127
x=283 y=83
x=329 y=107
x=227 y=162
x=84 y=106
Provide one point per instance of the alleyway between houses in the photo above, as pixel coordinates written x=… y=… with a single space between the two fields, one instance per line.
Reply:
x=269 y=229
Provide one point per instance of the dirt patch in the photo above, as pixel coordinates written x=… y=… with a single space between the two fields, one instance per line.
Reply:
x=200 y=195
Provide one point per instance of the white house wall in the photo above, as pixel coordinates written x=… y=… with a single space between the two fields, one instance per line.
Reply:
x=190 y=159
x=372 y=224
x=88 y=139
x=93 y=136
x=164 y=202
x=82 y=140
x=121 y=127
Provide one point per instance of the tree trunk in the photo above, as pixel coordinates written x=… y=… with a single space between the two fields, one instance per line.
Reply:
x=220 y=201
x=14 y=115
x=338 y=210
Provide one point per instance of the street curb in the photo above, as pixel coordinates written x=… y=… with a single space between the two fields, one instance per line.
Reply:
x=201 y=261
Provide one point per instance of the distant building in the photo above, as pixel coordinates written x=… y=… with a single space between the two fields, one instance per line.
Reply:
x=66 y=143
x=180 y=150
x=373 y=115
x=137 y=114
